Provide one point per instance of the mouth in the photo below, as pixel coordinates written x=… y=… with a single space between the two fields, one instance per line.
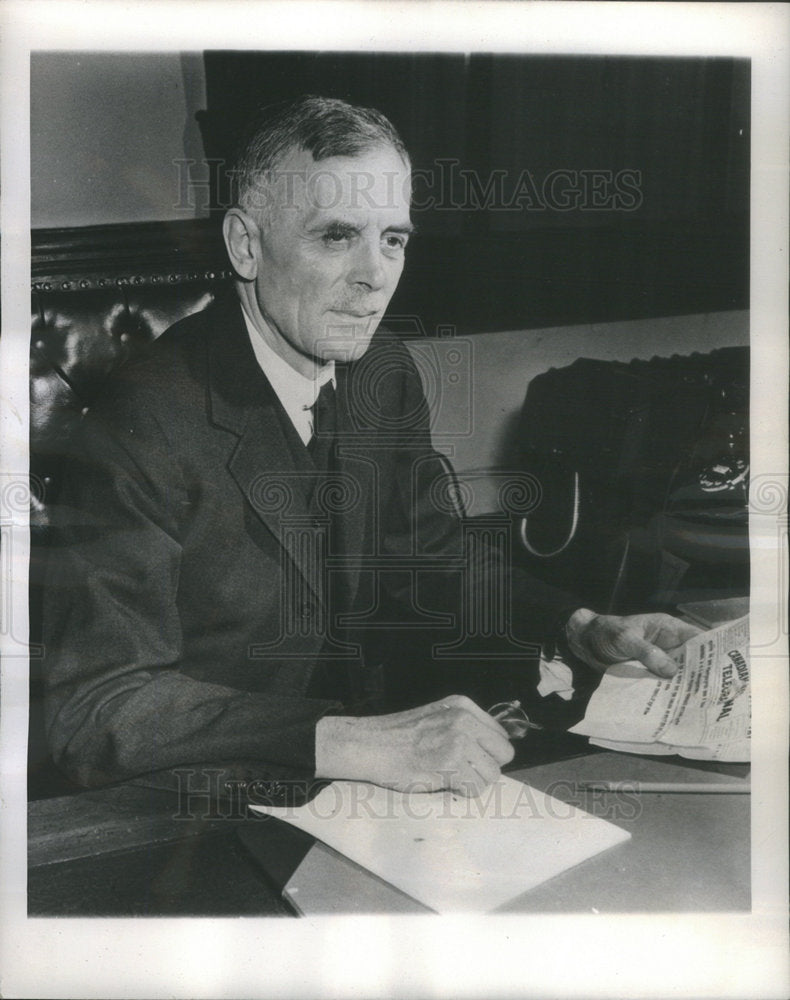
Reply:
x=353 y=314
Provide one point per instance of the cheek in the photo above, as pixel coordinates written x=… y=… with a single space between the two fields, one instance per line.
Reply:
x=314 y=283
x=394 y=273
x=277 y=290
x=294 y=276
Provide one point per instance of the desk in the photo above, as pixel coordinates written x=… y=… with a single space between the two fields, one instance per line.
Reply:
x=120 y=852
x=687 y=852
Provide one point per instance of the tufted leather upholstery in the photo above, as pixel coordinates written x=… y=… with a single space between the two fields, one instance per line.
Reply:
x=78 y=338
x=100 y=294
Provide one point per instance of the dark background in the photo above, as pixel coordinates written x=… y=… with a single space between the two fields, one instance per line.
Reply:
x=682 y=123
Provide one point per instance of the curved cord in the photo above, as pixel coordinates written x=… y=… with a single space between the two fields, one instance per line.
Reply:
x=615 y=591
x=571 y=534
x=454 y=492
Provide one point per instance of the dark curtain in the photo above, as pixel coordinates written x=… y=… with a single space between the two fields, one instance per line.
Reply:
x=549 y=190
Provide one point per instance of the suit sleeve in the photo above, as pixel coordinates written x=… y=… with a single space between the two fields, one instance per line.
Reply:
x=120 y=701
x=496 y=616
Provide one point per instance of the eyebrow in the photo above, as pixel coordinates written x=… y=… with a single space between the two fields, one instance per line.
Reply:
x=406 y=228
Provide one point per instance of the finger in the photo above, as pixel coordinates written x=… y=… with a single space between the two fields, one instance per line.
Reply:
x=499 y=748
x=460 y=701
x=468 y=782
x=651 y=655
x=486 y=768
x=667 y=631
x=673 y=632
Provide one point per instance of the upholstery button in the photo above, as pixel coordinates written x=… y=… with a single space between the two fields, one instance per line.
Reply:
x=39 y=345
x=124 y=338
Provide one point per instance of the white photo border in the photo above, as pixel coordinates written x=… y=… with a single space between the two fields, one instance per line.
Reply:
x=586 y=956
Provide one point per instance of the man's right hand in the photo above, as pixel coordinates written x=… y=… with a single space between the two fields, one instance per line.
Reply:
x=450 y=743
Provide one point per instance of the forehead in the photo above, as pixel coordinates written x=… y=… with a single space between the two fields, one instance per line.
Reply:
x=375 y=181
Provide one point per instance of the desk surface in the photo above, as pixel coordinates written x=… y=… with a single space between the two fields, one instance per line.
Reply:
x=687 y=852
x=120 y=851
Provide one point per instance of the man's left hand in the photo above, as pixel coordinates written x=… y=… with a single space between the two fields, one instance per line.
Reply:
x=602 y=640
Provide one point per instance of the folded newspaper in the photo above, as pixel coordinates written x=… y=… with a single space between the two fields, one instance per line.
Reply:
x=702 y=713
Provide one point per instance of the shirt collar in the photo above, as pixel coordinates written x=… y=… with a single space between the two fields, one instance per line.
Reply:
x=295 y=391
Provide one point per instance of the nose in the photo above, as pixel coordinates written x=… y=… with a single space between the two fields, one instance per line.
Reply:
x=367 y=267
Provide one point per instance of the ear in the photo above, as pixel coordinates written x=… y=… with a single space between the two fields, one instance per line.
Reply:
x=241 y=235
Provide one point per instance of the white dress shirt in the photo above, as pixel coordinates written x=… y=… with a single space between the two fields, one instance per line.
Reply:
x=295 y=392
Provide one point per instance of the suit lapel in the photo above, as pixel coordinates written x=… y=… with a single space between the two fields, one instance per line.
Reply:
x=276 y=477
x=357 y=464
x=272 y=475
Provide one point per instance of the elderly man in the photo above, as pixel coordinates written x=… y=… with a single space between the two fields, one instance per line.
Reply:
x=259 y=517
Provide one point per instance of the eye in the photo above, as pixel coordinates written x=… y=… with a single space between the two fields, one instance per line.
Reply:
x=338 y=235
x=395 y=241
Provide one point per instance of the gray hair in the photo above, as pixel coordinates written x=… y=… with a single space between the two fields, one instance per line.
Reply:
x=324 y=126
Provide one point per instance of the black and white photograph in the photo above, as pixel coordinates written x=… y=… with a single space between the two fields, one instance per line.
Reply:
x=394 y=524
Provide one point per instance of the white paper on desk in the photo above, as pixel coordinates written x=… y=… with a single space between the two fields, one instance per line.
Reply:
x=703 y=712
x=733 y=752
x=451 y=853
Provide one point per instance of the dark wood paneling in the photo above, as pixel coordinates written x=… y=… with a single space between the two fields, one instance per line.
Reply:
x=130 y=253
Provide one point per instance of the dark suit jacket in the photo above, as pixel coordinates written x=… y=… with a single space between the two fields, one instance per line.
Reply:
x=188 y=604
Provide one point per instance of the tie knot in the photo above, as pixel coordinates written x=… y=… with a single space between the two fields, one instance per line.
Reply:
x=323 y=408
x=324 y=426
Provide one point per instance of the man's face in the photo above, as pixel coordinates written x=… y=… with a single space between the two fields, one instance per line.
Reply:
x=331 y=250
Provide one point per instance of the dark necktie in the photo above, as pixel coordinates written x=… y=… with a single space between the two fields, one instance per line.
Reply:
x=324 y=426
